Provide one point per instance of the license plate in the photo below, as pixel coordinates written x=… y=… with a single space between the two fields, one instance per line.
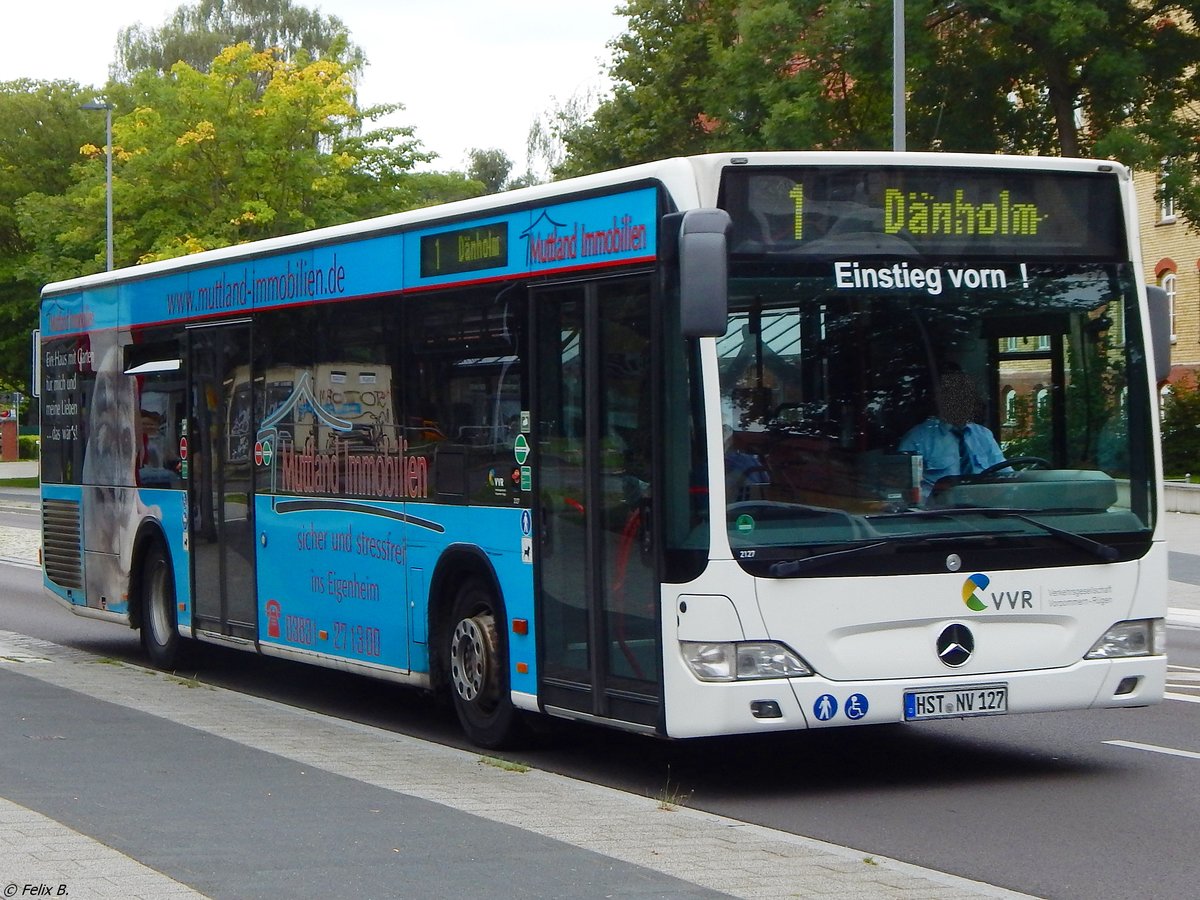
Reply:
x=956 y=703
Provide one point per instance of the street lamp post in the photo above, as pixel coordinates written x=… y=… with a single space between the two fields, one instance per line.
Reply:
x=108 y=192
x=899 y=123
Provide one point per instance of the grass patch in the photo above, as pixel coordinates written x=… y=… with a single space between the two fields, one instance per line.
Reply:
x=31 y=482
x=505 y=764
x=193 y=682
x=671 y=797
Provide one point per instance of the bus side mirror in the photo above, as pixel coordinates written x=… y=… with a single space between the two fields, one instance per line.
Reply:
x=704 y=272
x=1159 y=305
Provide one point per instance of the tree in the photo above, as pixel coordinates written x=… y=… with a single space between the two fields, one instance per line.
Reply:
x=1108 y=78
x=1180 y=427
x=421 y=189
x=196 y=34
x=661 y=71
x=545 y=143
x=1068 y=77
x=257 y=147
x=489 y=167
x=41 y=130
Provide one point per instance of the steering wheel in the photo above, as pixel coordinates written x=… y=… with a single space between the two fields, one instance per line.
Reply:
x=1024 y=462
x=752 y=476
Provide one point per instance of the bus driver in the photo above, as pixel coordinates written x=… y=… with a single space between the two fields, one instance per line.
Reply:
x=950 y=443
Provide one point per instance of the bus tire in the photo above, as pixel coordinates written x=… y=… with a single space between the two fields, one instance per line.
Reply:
x=477 y=667
x=159 y=623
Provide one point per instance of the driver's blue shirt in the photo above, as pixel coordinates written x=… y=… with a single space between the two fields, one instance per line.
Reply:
x=938 y=444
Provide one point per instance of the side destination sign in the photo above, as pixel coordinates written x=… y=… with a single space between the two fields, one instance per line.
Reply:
x=464 y=250
x=581 y=234
x=599 y=231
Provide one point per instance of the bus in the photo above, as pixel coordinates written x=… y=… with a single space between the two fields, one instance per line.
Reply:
x=642 y=448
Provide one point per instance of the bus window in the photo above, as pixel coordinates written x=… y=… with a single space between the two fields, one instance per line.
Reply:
x=463 y=391
x=161 y=390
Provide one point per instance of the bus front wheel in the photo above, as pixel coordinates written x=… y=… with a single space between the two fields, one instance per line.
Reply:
x=160 y=630
x=478 y=667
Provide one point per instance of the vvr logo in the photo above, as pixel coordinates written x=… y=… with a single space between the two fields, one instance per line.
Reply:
x=970 y=586
x=977 y=584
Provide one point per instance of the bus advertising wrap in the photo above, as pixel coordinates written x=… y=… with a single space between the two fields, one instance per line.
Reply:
x=582 y=234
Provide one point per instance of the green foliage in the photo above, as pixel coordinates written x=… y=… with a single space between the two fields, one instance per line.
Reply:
x=490 y=168
x=28 y=446
x=256 y=147
x=197 y=33
x=1058 y=77
x=661 y=69
x=41 y=130
x=545 y=142
x=421 y=189
x=251 y=143
x=1181 y=427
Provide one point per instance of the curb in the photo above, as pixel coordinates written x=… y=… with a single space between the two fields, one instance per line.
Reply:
x=1183 y=618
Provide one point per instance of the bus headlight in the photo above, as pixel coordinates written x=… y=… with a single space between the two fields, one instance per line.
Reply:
x=742 y=660
x=1140 y=637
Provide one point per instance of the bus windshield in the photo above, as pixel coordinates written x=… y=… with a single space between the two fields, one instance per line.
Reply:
x=886 y=401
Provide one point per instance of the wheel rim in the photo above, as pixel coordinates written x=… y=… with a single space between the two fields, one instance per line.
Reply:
x=159 y=613
x=472 y=658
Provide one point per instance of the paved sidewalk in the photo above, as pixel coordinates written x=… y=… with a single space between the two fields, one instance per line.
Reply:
x=1183 y=542
x=232 y=795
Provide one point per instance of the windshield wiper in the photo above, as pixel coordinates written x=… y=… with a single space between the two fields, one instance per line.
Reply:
x=790 y=567
x=1103 y=552
x=787 y=568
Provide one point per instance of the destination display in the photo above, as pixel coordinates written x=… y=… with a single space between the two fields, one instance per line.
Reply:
x=464 y=250
x=607 y=230
x=900 y=211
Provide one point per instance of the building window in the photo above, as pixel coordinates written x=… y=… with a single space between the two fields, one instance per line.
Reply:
x=1010 y=407
x=1027 y=344
x=1168 y=283
x=1166 y=203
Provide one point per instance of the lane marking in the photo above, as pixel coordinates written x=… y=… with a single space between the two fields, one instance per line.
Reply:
x=1169 y=751
x=1186 y=698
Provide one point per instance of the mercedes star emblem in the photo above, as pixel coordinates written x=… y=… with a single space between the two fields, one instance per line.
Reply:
x=955 y=645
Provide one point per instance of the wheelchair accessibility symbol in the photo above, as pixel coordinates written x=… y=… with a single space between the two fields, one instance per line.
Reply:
x=826 y=707
x=856 y=706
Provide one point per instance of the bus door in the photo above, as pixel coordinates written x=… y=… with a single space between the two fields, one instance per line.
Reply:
x=1027 y=386
x=596 y=579
x=220 y=459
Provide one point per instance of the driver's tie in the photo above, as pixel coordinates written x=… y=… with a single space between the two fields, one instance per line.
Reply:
x=964 y=456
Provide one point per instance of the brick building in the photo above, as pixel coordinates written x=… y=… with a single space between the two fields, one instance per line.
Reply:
x=1171 y=259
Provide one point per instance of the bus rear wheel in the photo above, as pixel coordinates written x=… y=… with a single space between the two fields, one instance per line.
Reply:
x=478 y=667
x=160 y=629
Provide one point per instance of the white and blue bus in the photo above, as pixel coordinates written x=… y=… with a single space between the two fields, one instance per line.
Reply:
x=638 y=448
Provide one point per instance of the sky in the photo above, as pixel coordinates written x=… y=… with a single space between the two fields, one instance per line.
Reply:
x=470 y=73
